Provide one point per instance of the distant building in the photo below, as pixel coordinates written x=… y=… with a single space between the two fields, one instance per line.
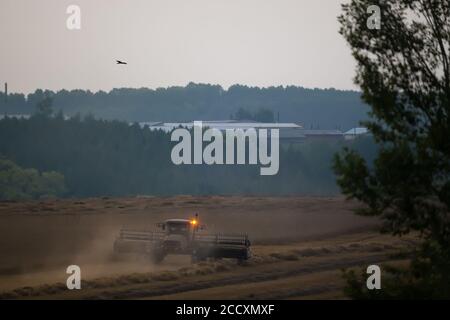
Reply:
x=15 y=116
x=323 y=135
x=289 y=132
x=355 y=132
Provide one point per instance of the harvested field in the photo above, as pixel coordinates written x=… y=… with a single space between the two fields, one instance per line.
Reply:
x=300 y=245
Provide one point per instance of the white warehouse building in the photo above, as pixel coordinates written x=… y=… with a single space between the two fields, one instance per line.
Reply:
x=289 y=132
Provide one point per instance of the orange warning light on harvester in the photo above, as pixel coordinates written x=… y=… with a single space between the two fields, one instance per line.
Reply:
x=194 y=222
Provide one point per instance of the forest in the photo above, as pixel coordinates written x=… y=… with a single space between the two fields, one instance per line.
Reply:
x=97 y=157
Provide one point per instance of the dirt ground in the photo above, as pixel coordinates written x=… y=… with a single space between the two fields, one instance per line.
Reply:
x=299 y=245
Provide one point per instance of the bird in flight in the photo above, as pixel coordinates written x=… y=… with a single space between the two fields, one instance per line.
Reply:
x=120 y=62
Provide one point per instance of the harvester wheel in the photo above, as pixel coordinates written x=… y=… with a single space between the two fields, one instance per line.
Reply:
x=157 y=256
x=197 y=258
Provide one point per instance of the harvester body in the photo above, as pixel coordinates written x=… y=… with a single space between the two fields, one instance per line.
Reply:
x=185 y=237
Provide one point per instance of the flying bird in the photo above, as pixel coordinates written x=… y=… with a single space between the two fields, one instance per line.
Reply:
x=120 y=62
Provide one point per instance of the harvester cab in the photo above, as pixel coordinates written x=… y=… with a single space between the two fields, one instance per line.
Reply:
x=185 y=227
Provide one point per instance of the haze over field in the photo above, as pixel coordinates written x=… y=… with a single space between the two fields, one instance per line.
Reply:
x=173 y=42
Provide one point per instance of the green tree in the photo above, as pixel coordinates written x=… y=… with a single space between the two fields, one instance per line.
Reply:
x=243 y=114
x=264 y=115
x=261 y=115
x=52 y=183
x=17 y=183
x=44 y=107
x=403 y=71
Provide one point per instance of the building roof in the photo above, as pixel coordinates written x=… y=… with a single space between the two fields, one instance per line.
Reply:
x=150 y=124
x=356 y=131
x=322 y=132
x=15 y=116
x=221 y=125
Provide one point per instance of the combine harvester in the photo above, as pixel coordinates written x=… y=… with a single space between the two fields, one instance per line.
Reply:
x=182 y=236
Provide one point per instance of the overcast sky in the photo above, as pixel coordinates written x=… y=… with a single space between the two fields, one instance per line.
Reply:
x=173 y=42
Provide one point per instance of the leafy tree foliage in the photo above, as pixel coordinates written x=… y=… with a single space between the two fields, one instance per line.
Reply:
x=404 y=72
x=44 y=107
x=17 y=183
x=262 y=115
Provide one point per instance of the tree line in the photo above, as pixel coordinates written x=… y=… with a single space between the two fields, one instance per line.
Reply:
x=314 y=108
x=17 y=183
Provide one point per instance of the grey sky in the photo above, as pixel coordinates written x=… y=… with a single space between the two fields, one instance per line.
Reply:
x=173 y=42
